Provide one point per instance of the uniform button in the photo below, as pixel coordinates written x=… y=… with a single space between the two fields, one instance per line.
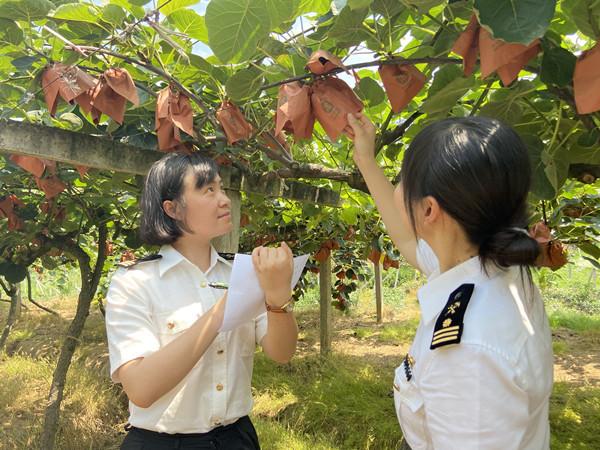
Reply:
x=170 y=325
x=203 y=284
x=219 y=387
x=220 y=352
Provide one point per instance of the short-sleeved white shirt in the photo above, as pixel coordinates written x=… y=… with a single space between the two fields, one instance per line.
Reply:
x=150 y=304
x=491 y=390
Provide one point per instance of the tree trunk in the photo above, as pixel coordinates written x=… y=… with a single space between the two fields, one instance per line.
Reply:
x=13 y=313
x=89 y=285
x=378 y=293
x=17 y=299
x=325 y=293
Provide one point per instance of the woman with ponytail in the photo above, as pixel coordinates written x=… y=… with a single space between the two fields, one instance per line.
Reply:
x=479 y=372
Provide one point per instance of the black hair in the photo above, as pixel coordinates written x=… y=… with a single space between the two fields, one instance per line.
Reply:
x=478 y=169
x=164 y=181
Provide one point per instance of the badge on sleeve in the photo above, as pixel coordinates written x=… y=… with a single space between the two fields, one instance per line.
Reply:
x=134 y=262
x=449 y=325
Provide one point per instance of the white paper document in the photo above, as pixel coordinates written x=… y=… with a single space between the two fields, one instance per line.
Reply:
x=245 y=297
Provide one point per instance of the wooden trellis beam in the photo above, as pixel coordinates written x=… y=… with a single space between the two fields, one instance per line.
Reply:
x=69 y=147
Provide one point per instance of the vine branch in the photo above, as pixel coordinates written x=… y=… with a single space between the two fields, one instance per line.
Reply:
x=400 y=61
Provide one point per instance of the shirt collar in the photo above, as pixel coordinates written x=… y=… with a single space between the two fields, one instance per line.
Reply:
x=433 y=296
x=171 y=257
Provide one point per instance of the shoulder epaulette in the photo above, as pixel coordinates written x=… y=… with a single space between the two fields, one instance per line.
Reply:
x=227 y=256
x=134 y=262
x=449 y=325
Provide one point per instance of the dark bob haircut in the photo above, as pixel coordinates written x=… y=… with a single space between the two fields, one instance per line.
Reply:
x=478 y=169
x=163 y=182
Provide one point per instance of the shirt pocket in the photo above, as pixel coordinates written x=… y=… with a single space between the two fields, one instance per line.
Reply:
x=172 y=323
x=405 y=392
x=409 y=409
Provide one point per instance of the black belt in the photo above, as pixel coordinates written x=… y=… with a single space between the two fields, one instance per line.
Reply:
x=212 y=433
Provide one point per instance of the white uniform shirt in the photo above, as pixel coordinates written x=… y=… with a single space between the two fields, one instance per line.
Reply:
x=153 y=302
x=491 y=390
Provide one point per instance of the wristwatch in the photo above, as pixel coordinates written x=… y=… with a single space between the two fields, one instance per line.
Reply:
x=285 y=308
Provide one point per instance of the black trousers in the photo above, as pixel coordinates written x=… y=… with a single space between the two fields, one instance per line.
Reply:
x=239 y=435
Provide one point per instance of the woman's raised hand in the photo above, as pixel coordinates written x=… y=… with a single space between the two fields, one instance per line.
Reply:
x=274 y=268
x=364 y=138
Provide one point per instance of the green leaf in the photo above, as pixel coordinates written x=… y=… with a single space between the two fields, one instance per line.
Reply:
x=10 y=32
x=579 y=154
x=585 y=14
x=84 y=32
x=76 y=12
x=175 y=5
x=444 y=76
x=235 y=26
x=589 y=138
x=348 y=27
x=515 y=20
x=424 y=5
x=387 y=8
x=350 y=214
x=69 y=121
x=244 y=84
x=359 y=4
x=540 y=185
x=273 y=47
x=594 y=263
x=506 y=111
x=130 y=6
x=444 y=99
x=557 y=167
x=313 y=6
x=282 y=11
x=14 y=273
x=132 y=239
x=393 y=150
x=201 y=64
x=10 y=94
x=24 y=62
x=113 y=14
x=444 y=43
x=370 y=91
x=190 y=23
x=590 y=249
x=558 y=65
x=26 y=10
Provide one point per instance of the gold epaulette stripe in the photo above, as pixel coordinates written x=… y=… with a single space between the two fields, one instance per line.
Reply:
x=445 y=330
x=444 y=339
x=449 y=333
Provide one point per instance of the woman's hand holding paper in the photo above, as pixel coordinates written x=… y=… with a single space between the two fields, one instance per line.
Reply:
x=274 y=268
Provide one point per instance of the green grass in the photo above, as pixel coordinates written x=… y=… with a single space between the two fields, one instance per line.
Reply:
x=560 y=348
x=401 y=332
x=575 y=417
x=278 y=436
x=574 y=320
x=339 y=400
x=91 y=411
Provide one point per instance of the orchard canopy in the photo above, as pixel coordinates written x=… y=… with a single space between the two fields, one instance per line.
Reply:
x=256 y=84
